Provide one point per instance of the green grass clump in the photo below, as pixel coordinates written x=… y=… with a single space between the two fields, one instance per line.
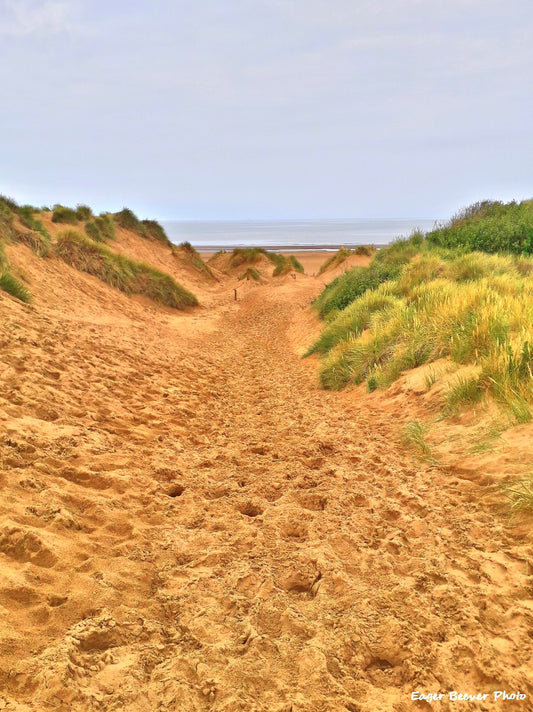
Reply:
x=12 y=286
x=347 y=287
x=246 y=256
x=337 y=258
x=156 y=231
x=296 y=264
x=118 y=271
x=186 y=250
x=127 y=219
x=464 y=391
x=92 y=231
x=489 y=226
x=39 y=238
x=36 y=237
x=520 y=495
x=414 y=436
x=284 y=264
x=106 y=226
x=386 y=265
x=7 y=215
x=250 y=273
x=64 y=215
x=9 y=203
x=252 y=255
x=83 y=213
x=353 y=320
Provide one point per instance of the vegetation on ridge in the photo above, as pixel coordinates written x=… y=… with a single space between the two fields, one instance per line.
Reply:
x=489 y=226
x=418 y=302
x=185 y=249
x=250 y=273
x=9 y=283
x=118 y=271
x=283 y=264
x=337 y=258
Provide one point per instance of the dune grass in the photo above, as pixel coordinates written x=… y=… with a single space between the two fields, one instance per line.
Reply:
x=489 y=226
x=251 y=255
x=155 y=231
x=61 y=214
x=337 y=258
x=150 y=229
x=13 y=286
x=470 y=307
x=127 y=220
x=106 y=226
x=36 y=237
x=520 y=495
x=284 y=264
x=185 y=249
x=246 y=256
x=84 y=212
x=120 y=272
x=9 y=283
x=250 y=273
x=414 y=436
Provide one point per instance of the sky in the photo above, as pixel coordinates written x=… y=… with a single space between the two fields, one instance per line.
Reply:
x=267 y=109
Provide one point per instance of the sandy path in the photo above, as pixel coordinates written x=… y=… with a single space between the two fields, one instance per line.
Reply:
x=189 y=523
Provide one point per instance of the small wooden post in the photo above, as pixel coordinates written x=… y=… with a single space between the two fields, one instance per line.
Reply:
x=235 y=292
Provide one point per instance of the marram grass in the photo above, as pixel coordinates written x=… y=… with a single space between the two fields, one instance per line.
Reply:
x=12 y=286
x=472 y=308
x=120 y=272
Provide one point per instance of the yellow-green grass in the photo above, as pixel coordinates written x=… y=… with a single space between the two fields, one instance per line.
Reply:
x=62 y=214
x=414 y=436
x=32 y=233
x=284 y=264
x=246 y=256
x=185 y=249
x=337 y=258
x=472 y=308
x=120 y=272
x=490 y=226
x=520 y=494
x=250 y=273
x=101 y=228
x=9 y=283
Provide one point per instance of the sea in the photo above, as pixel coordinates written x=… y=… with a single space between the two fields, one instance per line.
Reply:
x=292 y=235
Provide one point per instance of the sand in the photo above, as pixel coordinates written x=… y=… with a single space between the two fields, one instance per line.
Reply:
x=187 y=522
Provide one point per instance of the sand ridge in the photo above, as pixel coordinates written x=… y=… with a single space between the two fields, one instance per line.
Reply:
x=189 y=523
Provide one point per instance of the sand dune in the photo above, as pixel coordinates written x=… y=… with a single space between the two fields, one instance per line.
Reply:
x=188 y=522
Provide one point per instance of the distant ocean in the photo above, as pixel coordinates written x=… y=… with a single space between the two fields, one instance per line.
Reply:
x=288 y=235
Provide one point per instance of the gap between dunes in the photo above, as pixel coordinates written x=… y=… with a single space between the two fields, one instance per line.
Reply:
x=189 y=523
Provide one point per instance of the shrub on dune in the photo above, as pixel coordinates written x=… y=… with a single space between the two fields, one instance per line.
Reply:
x=106 y=226
x=84 y=212
x=64 y=215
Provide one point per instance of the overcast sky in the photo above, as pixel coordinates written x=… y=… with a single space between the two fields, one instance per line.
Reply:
x=267 y=108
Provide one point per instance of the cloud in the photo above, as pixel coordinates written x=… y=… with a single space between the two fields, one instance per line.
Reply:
x=26 y=17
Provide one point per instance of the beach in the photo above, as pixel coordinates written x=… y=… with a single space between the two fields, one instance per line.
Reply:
x=190 y=522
